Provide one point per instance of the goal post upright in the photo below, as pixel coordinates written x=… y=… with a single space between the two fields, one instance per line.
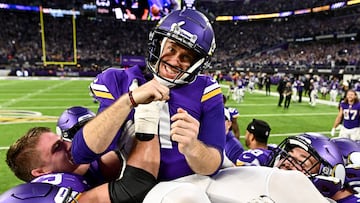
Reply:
x=43 y=42
x=74 y=36
x=42 y=35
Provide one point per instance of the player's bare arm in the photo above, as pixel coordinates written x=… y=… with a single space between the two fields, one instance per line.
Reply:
x=338 y=118
x=100 y=131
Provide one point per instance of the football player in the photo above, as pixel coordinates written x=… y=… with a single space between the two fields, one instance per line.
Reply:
x=240 y=88
x=317 y=157
x=256 y=139
x=233 y=147
x=181 y=45
x=55 y=155
x=334 y=89
x=234 y=114
x=349 y=116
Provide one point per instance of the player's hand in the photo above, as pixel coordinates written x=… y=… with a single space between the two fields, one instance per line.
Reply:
x=146 y=120
x=150 y=91
x=185 y=130
x=332 y=132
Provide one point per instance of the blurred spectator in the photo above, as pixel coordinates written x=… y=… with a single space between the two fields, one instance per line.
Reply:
x=22 y=73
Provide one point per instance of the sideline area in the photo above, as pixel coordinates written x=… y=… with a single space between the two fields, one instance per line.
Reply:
x=276 y=94
x=304 y=98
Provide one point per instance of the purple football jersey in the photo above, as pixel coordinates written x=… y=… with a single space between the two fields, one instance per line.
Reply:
x=233 y=147
x=76 y=182
x=257 y=157
x=350 y=199
x=357 y=87
x=202 y=99
x=94 y=175
x=334 y=85
x=234 y=113
x=351 y=115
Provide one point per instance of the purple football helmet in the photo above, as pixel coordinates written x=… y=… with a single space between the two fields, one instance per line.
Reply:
x=191 y=29
x=330 y=175
x=350 y=151
x=71 y=120
x=38 y=193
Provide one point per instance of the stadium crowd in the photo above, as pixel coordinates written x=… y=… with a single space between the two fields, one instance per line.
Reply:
x=264 y=43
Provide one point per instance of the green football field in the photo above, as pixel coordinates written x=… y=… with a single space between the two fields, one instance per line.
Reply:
x=30 y=102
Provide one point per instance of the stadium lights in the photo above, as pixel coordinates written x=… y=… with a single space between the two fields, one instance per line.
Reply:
x=289 y=13
x=53 y=12
x=302 y=11
x=337 y=5
x=321 y=8
x=352 y=2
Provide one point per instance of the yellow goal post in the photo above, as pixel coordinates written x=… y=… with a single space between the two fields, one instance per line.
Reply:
x=43 y=42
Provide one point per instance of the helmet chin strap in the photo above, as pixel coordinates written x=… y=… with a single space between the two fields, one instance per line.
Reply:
x=164 y=82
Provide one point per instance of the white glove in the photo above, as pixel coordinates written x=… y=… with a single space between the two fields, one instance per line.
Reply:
x=146 y=120
x=332 y=132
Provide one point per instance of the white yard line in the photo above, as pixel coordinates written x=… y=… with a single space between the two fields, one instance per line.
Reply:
x=44 y=107
x=44 y=78
x=290 y=134
x=26 y=96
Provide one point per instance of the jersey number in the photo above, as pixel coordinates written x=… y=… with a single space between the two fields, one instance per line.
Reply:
x=348 y=113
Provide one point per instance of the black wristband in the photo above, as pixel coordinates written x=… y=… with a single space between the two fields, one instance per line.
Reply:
x=144 y=136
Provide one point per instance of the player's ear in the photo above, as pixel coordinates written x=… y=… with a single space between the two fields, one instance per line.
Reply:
x=251 y=137
x=38 y=172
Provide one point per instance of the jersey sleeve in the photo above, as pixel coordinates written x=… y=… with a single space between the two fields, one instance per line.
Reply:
x=108 y=86
x=81 y=153
x=233 y=147
x=234 y=113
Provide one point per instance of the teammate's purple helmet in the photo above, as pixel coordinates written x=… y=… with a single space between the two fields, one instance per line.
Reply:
x=72 y=119
x=350 y=151
x=346 y=147
x=327 y=156
x=191 y=29
x=39 y=193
